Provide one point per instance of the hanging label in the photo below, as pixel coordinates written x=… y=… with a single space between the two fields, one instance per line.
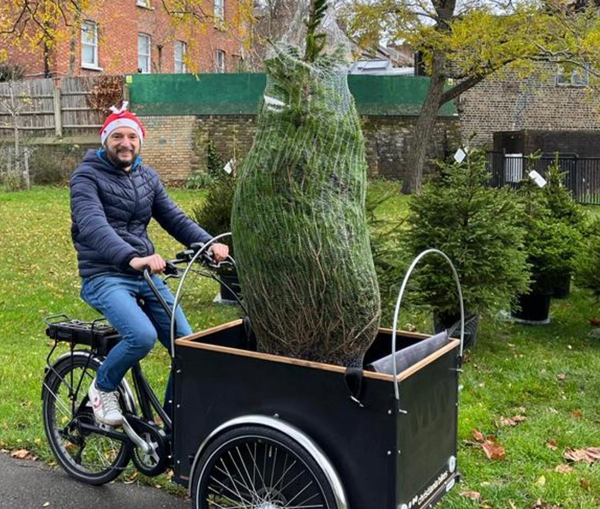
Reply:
x=537 y=178
x=460 y=155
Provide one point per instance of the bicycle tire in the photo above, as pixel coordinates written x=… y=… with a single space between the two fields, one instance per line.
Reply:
x=88 y=457
x=240 y=468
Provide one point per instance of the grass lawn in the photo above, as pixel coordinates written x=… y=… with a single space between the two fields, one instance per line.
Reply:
x=548 y=375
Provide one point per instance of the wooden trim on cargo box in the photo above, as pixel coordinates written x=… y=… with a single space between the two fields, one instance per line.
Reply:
x=192 y=341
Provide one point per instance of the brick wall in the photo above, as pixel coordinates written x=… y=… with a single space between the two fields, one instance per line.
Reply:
x=177 y=146
x=513 y=104
x=170 y=146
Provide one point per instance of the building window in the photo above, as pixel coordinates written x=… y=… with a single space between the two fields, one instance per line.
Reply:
x=576 y=77
x=220 y=61
x=219 y=10
x=179 y=57
x=89 y=44
x=144 y=53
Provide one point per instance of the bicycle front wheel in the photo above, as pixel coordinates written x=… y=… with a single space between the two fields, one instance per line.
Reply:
x=259 y=468
x=87 y=456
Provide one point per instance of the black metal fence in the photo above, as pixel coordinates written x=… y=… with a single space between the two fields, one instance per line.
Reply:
x=581 y=174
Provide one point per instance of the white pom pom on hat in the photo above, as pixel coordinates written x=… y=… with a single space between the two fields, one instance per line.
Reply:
x=121 y=118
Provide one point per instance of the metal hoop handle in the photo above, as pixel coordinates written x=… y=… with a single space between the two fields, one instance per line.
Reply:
x=200 y=252
x=399 y=302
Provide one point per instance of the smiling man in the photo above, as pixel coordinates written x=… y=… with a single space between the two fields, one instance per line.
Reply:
x=113 y=198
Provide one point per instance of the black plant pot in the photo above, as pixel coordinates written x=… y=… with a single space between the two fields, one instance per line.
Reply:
x=562 y=286
x=535 y=308
x=230 y=287
x=451 y=323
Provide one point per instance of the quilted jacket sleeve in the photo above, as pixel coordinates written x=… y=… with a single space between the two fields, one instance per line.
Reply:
x=94 y=229
x=173 y=219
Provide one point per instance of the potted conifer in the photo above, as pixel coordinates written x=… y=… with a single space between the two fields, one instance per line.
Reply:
x=475 y=225
x=562 y=207
x=550 y=245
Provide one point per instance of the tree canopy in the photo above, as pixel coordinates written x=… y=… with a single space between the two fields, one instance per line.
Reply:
x=462 y=43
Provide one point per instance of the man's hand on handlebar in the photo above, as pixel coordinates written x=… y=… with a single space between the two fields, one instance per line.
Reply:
x=154 y=263
x=219 y=252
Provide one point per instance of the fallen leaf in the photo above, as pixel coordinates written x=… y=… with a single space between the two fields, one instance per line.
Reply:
x=511 y=421
x=584 y=483
x=22 y=454
x=595 y=322
x=560 y=376
x=551 y=444
x=589 y=455
x=576 y=414
x=541 y=481
x=564 y=469
x=478 y=436
x=493 y=451
x=472 y=495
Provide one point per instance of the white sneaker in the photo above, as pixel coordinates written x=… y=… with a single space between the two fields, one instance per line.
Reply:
x=105 y=405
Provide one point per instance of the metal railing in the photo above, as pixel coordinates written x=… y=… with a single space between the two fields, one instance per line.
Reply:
x=581 y=174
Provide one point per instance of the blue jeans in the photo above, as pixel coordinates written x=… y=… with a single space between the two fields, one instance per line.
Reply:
x=116 y=297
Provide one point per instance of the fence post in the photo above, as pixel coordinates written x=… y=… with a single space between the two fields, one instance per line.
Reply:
x=57 y=111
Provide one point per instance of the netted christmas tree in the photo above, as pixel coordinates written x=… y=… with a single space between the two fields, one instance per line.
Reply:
x=299 y=229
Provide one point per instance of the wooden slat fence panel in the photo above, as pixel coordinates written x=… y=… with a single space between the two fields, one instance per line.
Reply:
x=34 y=101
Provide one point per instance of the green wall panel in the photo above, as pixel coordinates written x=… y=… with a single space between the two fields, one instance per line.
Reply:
x=240 y=94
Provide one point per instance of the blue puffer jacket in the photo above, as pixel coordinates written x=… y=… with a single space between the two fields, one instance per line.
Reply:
x=110 y=212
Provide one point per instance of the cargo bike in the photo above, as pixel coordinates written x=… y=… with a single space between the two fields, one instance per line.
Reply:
x=251 y=430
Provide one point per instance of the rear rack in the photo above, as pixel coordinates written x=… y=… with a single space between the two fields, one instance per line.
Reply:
x=97 y=334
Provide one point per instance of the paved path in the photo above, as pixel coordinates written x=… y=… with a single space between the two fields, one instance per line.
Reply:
x=31 y=485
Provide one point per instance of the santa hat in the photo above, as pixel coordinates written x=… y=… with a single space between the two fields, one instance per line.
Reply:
x=121 y=118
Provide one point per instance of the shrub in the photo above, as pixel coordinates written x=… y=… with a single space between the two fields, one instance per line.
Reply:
x=476 y=227
x=587 y=261
x=551 y=243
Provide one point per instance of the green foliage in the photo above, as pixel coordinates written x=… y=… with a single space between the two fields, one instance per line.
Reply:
x=390 y=256
x=559 y=199
x=214 y=213
x=551 y=243
x=587 y=261
x=199 y=180
x=215 y=161
x=315 y=42
x=477 y=227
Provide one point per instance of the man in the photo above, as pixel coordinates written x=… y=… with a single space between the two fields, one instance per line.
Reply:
x=113 y=198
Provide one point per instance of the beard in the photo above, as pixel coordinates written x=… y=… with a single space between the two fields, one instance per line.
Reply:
x=115 y=159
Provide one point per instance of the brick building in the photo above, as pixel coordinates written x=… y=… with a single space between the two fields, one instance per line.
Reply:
x=129 y=36
x=547 y=101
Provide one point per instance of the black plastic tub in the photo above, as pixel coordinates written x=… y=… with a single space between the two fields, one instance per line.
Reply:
x=535 y=308
x=388 y=454
x=561 y=287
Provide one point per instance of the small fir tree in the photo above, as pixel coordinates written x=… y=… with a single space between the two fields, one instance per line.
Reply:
x=475 y=225
x=551 y=244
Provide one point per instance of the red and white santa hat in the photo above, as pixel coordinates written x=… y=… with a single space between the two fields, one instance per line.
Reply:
x=121 y=118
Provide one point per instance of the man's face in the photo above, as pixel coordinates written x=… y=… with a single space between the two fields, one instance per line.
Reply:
x=122 y=147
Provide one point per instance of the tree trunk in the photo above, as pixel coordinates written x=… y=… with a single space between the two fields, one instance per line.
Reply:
x=425 y=126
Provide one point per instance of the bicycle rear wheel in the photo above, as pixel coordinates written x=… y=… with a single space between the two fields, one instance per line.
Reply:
x=87 y=456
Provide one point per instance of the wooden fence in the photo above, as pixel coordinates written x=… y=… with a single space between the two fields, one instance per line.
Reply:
x=47 y=107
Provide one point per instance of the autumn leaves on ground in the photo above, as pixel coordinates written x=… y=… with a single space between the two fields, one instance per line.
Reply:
x=529 y=424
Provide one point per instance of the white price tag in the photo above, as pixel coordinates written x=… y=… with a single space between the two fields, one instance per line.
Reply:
x=229 y=167
x=537 y=178
x=460 y=155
